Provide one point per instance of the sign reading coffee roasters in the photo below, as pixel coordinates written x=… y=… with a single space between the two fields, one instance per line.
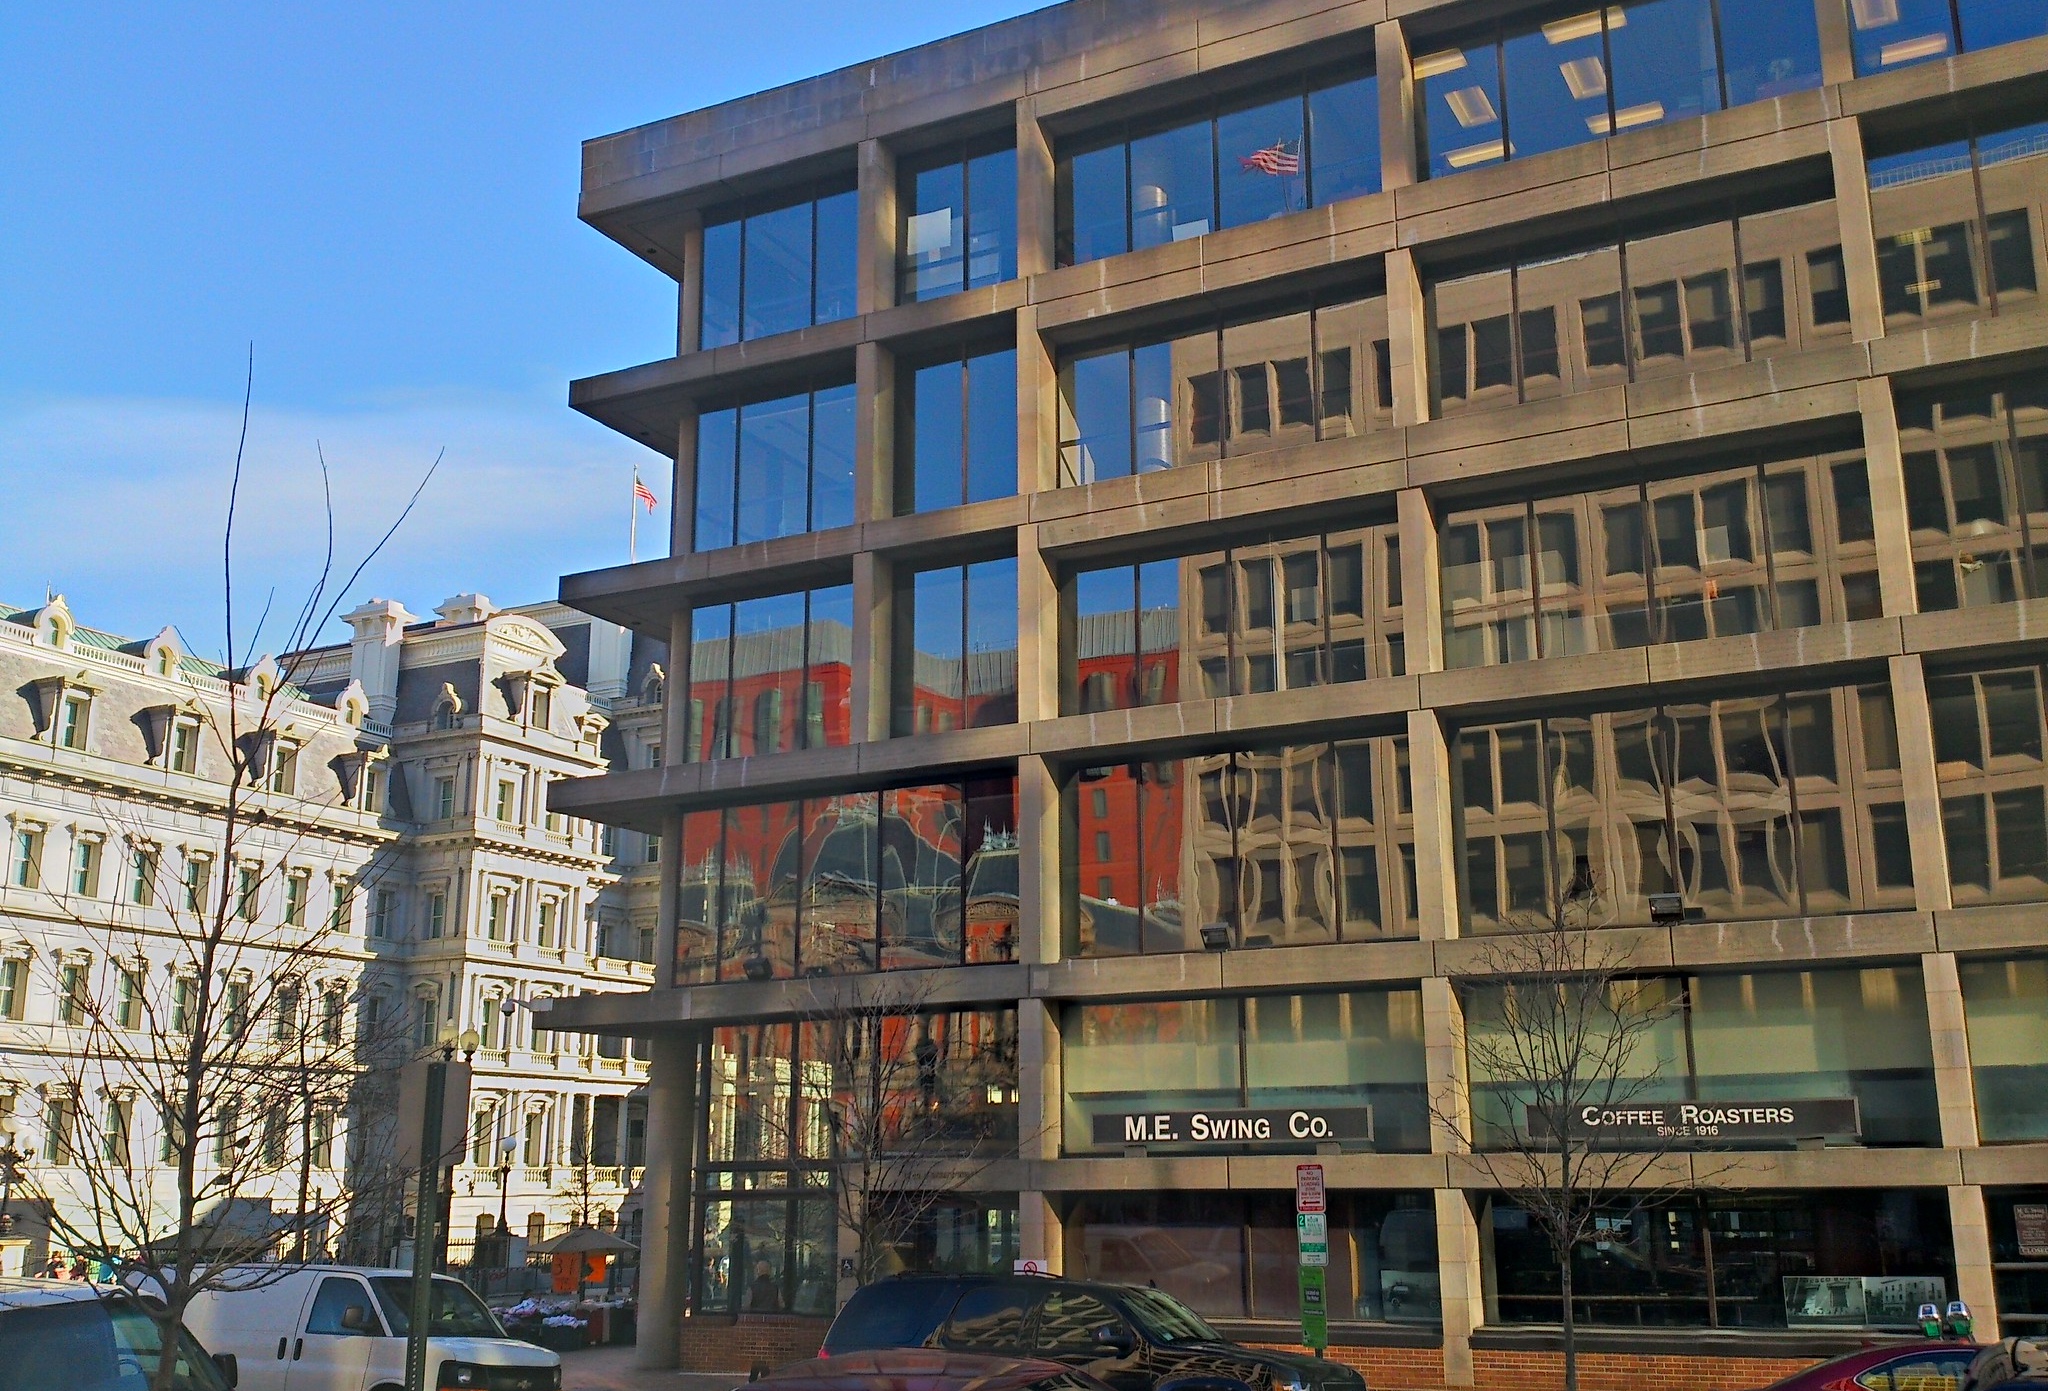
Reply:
x=1296 y=1126
x=1683 y=1121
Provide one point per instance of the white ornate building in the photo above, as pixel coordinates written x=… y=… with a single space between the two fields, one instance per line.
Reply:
x=419 y=759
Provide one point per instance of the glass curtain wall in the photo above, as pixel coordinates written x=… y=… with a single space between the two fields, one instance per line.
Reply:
x=1850 y=1259
x=1559 y=77
x=767 y=1232
x=1783 y=544
x=1761 y=1036
x=1302 y=144
x=956 y=430
x=1218 y=390
x=1958 y=216
x=1348 y=1048
x=1235 y=1255
x=1994 y=782
x=959 y=230
x=1263 y=616
x=954 y=663
x=1653 y=300
x=769 y=675
x=779 y=264
x=1887 y=34
x=773 y=468
x=1283 y=846
x=908 y=877
x=1774 y=806
x=1976 y=463
x=2005 y=1009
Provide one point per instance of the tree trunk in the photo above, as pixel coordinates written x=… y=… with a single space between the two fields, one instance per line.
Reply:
x=1571 y=1342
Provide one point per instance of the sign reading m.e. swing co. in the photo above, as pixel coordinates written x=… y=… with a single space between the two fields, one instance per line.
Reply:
x=1299 y=1125
x=1636 y=1122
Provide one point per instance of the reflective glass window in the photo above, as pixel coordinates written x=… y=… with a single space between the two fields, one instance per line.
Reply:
x=1887 y=34
x=2005 y=1005
x=959 y=223
x=957 y=431
x=775 y=266
x=773 y=468
x=955 y=658
x=770 y=675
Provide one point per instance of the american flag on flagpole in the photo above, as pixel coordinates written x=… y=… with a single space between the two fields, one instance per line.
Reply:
x=1276 y=159
x=644 y=494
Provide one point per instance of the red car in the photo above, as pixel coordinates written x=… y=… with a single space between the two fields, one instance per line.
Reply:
x=925 y=1369
x=1921 y=1365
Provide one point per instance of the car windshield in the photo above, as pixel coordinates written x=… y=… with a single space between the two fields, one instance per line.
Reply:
x=1166 y=1320
x=457 y=1312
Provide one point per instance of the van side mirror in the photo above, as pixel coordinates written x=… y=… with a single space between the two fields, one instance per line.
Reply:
x=356 y=1319
x=230 y=1371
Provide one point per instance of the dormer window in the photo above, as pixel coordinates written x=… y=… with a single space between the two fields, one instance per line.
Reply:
x=74 y=717
x=284 y=767
x=185 y=746
x=373 y=789
x=541 y=707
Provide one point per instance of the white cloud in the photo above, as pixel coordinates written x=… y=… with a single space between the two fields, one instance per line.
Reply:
x=119 y=505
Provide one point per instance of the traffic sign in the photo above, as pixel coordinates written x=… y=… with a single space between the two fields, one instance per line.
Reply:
x=1308 y=1188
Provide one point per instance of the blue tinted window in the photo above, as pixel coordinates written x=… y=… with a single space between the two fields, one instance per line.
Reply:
x=1097 y=440
x=717 y=450
x=1094 y=213
x=778 y=271
x=838 y=233
x=1556 y=80
x=1344 y=140
x=938 y=435
x=992 y=218
x=1898 y=33
x=1664 y=63
x=1990 y=22
x=1152 y=388
x=1768 y=49
x=992 y=425
x=832 y=452
x=1461 y=105
x=721 y=282
x=1261 y=169
x=991 y=657
x=935 y=234
x=1173 y=191
x=774 y=469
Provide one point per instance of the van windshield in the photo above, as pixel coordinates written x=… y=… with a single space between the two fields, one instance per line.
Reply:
x=457 y=1312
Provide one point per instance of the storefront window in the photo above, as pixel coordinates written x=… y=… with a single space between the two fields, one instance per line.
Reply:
x=1849 y=1260
x=1336 y=1049
x=1315 y=610
x=1306 y=144
x=1755 y=1037
x=770 y=675
x=775 y=468
x=771 y=267
x=1285 y=846
x=2005 y=1006
x=1234 y=1256
x=954 y=663
x=918 y=876
x=956 y=430
x=1528 y=86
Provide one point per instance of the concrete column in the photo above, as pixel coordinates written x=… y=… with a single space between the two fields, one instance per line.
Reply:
x=682 y=511
x=1461 y=1278
x=1038 y=1082
x=1039 y=669
x=1443 y=1054
x=1859 y=242
x=675 y=697
x=876 y=286
x=874 y=433
x=1397 y=105
x=1923 y=792
x=1837 y=62
x=1407 y=337
x=665 y=1185
x=690 y=294
x=671 y=890
x=1041 y=1234
x=1436 y=849
x=1035 y=226
x=1038 y=408
x=1954 y=1086
x=1886 y=466
x=1971 y=1229
x=1041 y=836
x=1422 y=610
x=874 y=633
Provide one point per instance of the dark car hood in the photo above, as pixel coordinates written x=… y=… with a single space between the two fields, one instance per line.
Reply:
x=1315 y=1371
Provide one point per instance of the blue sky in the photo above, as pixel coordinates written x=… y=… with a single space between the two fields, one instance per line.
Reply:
x=382 y=199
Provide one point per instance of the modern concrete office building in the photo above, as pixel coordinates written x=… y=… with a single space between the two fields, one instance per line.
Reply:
x=1194 y=517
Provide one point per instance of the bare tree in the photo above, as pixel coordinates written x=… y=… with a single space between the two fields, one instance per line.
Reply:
x=906 y=1112
x=1560 y=1020
x=235 y=1027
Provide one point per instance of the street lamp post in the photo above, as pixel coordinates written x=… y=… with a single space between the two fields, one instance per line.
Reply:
x=506 y=1146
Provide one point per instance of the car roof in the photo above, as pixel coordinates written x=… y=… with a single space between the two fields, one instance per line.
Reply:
x=23 y=1293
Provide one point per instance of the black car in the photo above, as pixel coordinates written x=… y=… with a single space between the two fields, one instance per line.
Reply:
x=1132 y=1338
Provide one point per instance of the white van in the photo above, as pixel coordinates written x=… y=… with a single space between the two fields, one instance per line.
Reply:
x=342 y=1328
